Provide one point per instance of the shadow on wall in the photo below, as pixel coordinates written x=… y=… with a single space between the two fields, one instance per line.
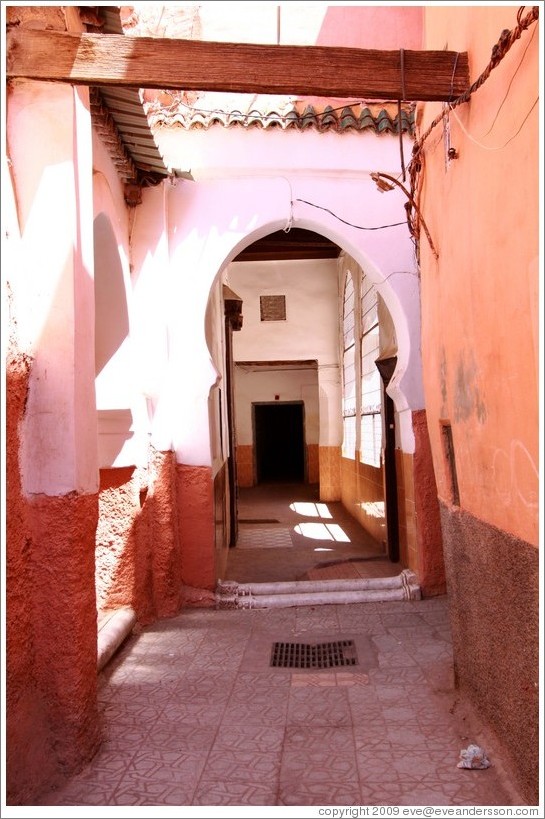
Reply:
x=149 y=556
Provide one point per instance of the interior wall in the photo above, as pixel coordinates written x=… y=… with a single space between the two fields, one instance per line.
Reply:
x=309 y=333
x=257 y=384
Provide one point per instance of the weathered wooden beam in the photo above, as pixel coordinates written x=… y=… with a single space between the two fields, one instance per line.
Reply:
x=149 y=62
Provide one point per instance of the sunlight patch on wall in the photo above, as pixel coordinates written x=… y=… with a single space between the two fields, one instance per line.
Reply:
x=374 y=509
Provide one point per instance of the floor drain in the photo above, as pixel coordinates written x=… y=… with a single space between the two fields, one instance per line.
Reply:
x=314 y=655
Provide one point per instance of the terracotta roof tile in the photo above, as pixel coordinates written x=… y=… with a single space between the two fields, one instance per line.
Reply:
x=342 y=119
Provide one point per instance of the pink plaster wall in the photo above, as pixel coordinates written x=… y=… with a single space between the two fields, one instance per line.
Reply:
x=381 y=27
x=479 y=301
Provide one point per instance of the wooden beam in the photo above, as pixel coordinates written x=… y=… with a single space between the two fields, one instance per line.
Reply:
x=149 y=62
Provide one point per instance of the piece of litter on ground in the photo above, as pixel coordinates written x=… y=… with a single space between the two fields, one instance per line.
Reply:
x=473 y=757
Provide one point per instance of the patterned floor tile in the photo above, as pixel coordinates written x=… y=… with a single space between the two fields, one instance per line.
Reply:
x=303 y=738
x=319 y=766
x=256 y=714
x=153 y=793
x=263 y=681
x=249 y=738
x=325 y=706
x=184 y=737
x=193 y=714
x=254 y=698
x=244 y=766
x=213 y=792
x=165 y=765
x=315 y=793
x=376 y=767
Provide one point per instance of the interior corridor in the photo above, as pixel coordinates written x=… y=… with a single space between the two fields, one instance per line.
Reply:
x=286 y=533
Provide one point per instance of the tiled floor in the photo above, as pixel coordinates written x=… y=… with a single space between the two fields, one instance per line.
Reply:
x=286 y=533
x=194 y=715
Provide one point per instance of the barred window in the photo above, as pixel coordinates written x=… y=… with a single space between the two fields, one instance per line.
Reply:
x=371 y=385
x=349 y=371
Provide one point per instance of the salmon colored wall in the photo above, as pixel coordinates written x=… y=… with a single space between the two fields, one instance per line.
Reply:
x=480 y=354
x=195 y=493
x=426 y=521
x=30 y=760
x=329 y=458
x=406 y=510
x=481 y=365
x=52 y=717
x=52 y=477
x=381 y=27
x=221 y=521
x=313 y=463
x=138 y=552
x=245 y=465
x=361 y=490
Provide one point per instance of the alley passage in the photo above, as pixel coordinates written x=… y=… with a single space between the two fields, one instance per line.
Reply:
x=194 y=714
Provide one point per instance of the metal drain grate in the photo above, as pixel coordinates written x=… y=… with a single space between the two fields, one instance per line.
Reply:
x=314 y=655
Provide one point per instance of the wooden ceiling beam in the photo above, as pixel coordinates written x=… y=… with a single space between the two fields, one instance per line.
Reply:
x=150 y=62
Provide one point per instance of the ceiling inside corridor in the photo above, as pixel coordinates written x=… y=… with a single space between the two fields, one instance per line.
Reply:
x=297 y=243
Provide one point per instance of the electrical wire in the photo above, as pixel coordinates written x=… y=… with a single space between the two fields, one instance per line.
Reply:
x=512 y=78
x=506 y=41
x=500 y=49
x=493 y=147
x=358 y=227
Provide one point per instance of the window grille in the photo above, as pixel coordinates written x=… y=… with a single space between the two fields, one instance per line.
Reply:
x=349 y=371
x=371 y=385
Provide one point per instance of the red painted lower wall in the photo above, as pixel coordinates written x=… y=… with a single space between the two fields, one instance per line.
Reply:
x=493 y=583
x=195 y=495
x=51 y=655
x=138 y=549
x=429 y=538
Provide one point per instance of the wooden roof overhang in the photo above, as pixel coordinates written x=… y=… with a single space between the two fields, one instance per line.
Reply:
x=153 y=62
x=116 y=67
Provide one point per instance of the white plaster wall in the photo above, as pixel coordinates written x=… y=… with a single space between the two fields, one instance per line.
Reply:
x=223 y=153
x=255 y=385
x=50 y=149
x=150 y=310
x=217 y=401
x=122 y=416
x=209 y=221
x=310 y=330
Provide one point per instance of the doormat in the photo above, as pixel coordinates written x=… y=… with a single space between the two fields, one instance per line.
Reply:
x=264 y=539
